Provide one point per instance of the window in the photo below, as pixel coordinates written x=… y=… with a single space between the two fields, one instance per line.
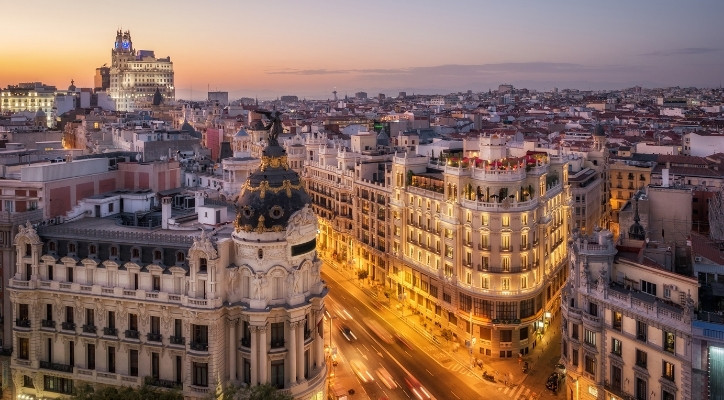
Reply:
x=201 y=374
x=616 y=377
x=58 y=385
x=485 y=282
x=670 y=342
x=200 y=334
x=70 y=274
x=641 y=358
x=155 y=325
x=523 y=282
x=156 y=255
x=506 y=335
x=133 y=322
x=641 y=331
x=111 y=359
x=135 y=253
x=667 y=370
x=641 y=389
x=506 y=220
x=505 y=283
x=666 y=395
x=616 y=320
x=156 y=281
x=574 y=357
x=277 y=334
x=590 y=365
x=574 y=331
x=24 y=348
x=527 y=308
x=155 y=370
x=589 y=337
x=616 y=346
x=277 y=374
x=133 y=362
x=593 y=309
x=90 y=356
x=648 y=287
x=203 y=264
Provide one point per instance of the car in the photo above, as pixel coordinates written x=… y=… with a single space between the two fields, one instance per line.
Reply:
x=417 y=389
x=561 y=369
x=347 y=333
x=386 y=378
x=554 y=381
x=361 y=371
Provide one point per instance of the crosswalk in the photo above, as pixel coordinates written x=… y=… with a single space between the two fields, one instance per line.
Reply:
x=519 y=392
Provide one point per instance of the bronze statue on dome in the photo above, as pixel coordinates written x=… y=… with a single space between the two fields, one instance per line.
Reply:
x=275 y=125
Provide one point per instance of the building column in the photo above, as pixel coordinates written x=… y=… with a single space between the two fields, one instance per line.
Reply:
x=232 y=349
x=263 y=355
x=300 y=351
x=319 y=346
x=254 y=358
x=292 y=353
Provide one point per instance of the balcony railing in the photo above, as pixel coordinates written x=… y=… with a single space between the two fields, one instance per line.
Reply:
x=68 y=326
x=22 y=322
x=154 y=337
x=177 y=340
x=164 y=383
x=200 y=346
x=89 y=329
x=132 y=334
x=56 y=366
x=47 y=323
x=110 y=331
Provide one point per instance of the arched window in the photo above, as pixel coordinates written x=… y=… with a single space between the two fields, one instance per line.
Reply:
x=260 y=253
x=114 y=251
x=28 y=249
x=135 y=253
x=92 y=249
x=180 y=257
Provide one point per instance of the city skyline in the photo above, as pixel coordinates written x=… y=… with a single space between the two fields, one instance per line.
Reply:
x=310 y=49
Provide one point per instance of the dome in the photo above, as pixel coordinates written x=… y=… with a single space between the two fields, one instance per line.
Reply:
x=186 y=127
x=272 y=193
x=40 y=113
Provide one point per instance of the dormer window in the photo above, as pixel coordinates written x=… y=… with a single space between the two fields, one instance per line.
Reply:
x=51 y=246
x=156 y=255
x=135 y=253
x=28 y=249
x=114 y=251
x=180 y=257
x=92 y=250
x=71 y=248
x=202 y=265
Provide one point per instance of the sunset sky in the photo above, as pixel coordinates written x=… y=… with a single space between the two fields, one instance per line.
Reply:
x=310 y=48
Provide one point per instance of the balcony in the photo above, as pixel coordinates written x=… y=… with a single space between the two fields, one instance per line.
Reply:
x=47 y=323
x=180 y=340
x=132 y=334
x=89 y=329
x=164 y=383
x=22 y=323
x=154 y=337
x=68 y=326
x=505 y=249
x=56 y=366
x=200 y=346
x=110 y=331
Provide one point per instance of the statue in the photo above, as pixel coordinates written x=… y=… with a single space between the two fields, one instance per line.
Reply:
x=258 y=283
x=274 y=127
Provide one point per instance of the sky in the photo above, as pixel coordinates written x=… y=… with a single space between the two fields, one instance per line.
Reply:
x=310 y=48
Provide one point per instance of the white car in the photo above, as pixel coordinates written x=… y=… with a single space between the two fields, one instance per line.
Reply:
x=361 y=371
x=386 y=378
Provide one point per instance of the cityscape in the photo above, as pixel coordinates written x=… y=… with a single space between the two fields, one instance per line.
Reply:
x=443 y=221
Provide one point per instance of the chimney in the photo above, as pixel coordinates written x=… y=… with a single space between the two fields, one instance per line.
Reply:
x=665 y=177
x=165 y=211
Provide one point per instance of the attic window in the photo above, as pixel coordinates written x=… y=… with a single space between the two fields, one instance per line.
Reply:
x=247 y=211
x=71 y=248
x=114 y=251
x=135 y=253
x=51 y=246
x=180 y=257
x=156 y=254
x=92 y=249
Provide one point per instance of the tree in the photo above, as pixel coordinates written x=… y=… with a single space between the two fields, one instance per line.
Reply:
x=259 y=392
x=145 y=392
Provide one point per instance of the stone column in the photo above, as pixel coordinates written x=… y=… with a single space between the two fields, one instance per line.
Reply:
x=319 y=346
x=254 y=355
x=292 y=353
x=232 y=349
x=263 y=355
x=300 y=351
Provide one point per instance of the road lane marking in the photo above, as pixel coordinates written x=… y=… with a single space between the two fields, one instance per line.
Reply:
x=428 y=371
x=456 y=396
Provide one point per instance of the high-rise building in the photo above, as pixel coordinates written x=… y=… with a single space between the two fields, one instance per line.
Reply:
x=102 y=79
x=104 y=300
x=135 y=75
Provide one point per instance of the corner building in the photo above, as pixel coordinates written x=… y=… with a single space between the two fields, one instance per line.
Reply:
x=478 y=243
x=106 y=304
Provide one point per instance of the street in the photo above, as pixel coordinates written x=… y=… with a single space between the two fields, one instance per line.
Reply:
x=402 y=346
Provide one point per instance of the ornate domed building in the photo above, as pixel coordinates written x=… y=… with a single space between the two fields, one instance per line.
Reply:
x=174 y=307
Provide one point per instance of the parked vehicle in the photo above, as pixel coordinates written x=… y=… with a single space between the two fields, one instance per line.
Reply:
x=488 y=377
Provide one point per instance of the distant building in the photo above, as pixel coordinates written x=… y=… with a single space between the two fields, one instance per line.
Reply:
x=361 y=95
x=703 y=144
x=32 y=96
x=136 y=74
x=102 y=79
x=289 y=99
x=220 y=97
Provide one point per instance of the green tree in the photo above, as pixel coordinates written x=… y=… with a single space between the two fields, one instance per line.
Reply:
x=145 y=392
x=259 y=392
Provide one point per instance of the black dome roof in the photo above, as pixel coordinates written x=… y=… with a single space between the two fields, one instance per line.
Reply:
x=272 y=193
